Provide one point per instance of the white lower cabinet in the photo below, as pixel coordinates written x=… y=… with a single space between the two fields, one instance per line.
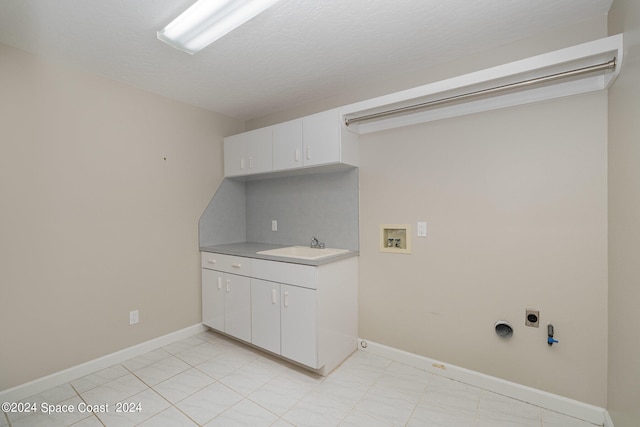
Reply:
x=306 y=314
x=213 y=299
x=265 y=315
x=298 y=332
x=237 y=310
x=283 y=320
x=226 y=297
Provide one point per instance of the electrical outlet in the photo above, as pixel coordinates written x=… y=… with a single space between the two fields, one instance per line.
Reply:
x=133 y=317
x=532 y=317
x=274 y=225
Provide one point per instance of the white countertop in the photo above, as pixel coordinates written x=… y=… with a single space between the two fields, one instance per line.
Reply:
x=251 y=249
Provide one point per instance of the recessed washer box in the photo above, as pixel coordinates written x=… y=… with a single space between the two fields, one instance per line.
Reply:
x=395 y=238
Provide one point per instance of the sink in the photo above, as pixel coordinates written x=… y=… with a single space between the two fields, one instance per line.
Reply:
x=304 y=252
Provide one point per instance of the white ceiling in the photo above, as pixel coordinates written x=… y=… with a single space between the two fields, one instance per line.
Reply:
x=296 y=52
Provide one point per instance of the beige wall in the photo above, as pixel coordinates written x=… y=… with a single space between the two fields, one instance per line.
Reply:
x=516 y=205
x=515 y=202
x=94 y=222
x=624 y=222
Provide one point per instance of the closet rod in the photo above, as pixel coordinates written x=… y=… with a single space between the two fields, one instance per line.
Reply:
x=551 y=77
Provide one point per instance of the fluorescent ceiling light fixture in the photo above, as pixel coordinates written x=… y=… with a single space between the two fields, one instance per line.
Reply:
x=208 y=20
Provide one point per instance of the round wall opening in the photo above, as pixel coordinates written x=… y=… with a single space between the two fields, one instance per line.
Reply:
x=503 y=329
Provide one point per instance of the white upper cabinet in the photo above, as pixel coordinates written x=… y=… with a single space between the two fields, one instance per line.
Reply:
x=287 y=145
x=235 y=155
x=260 y=150
x=249 y=153
x=313 y=141
x=321 y=138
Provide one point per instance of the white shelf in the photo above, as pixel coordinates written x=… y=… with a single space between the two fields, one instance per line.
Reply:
x=583 y=55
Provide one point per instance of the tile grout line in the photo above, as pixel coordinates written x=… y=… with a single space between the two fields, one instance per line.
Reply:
x=215 y=380
x=171 y=404
x=362 y=397
x=93 y=414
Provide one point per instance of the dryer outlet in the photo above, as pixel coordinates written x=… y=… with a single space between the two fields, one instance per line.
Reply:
x=532 y=318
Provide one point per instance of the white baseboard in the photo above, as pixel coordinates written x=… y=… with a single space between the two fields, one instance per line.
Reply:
x=39 y=385
x=553 y=402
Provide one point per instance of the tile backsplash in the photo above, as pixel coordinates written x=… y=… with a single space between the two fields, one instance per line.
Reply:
x=324 y=205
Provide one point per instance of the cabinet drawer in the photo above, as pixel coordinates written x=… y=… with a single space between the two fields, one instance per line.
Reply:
x=212 y=261
x=227 y=263
x=238 y=265
x=284 y=272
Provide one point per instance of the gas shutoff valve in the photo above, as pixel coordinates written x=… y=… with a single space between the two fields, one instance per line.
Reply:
x=550 y=339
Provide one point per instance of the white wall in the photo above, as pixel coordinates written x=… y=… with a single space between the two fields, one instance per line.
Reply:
x=624 y=222
x=94 y=221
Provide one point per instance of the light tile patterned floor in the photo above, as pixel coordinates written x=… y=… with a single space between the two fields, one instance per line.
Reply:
x=209 y=380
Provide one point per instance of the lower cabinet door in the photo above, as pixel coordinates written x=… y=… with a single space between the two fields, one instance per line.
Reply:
x=298 y=325
x=213 y=299
x=237 y=306
x=265 y=315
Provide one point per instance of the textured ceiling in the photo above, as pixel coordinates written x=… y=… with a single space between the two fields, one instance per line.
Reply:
x=296 y=52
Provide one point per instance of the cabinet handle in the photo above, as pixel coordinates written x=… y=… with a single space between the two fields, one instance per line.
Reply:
x=273 y=296
x=228 y=282
x=211 y=261
x=250 y=162
x=242 y=163
x=236 y=265
x=297 y=155
x=286 y=299
x=308 y=153
x=219 y=283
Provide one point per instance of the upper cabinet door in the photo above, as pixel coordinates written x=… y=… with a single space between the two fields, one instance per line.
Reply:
x=235 y=155
x=287 y=145
x=321 y=138
x=259 y=150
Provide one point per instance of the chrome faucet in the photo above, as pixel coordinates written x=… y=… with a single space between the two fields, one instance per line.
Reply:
x=316 y=244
